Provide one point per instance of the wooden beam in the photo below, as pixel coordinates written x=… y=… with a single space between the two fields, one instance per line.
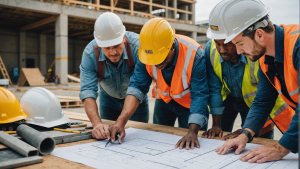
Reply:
x=150 y=7
x=86 y=36
x=111 y=5
x=97 y=3
x=38 y=23
x=48 y=31
x=115 y=4
x=131 y=7
x=188 y=1
x=79 y=33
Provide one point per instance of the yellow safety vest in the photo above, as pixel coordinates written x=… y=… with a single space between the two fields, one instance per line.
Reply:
x=249 y=84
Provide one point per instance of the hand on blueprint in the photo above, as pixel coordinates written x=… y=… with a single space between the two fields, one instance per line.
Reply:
x=114 y=129
x=238 y=143
x=100 y=131
x=190 y=139
x=214 y=131
x=232 y=135
x=263 y=154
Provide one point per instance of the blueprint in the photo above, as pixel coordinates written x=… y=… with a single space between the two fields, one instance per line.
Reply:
x=147 y=150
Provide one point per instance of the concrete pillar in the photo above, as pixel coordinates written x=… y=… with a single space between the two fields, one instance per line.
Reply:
x=61 y=47
x=184 y=16
x=166 y=4
x=194 y=13
x=43 y=53
x=175 y=6
x=194 y=35
x=22 y=60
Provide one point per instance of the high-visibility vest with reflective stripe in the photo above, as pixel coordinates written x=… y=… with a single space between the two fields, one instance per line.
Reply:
x=291 y=34
x=180 y=85
x=249 y=88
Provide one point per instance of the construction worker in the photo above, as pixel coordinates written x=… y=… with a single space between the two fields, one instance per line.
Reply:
x=176 y=65
x=109 y=61
x=276 y=47
x=233 y=78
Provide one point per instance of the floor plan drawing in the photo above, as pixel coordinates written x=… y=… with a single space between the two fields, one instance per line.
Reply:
x=147 y=150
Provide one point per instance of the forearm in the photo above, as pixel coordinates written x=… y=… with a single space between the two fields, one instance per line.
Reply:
x=91 y=110
x=217 y=120
x=130 y=105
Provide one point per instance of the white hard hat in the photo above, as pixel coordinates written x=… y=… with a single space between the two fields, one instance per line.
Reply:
x=109 y=30
x=238 y=15
x=216 y=30
x=42 y=108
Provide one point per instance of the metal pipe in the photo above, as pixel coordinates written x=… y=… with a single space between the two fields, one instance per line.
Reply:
x=42 y=142
x=17 y=145
x=20 y=162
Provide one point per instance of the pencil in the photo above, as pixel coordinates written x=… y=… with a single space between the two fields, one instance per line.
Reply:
x=71 y=131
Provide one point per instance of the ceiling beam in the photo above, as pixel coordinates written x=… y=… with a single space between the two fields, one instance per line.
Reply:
x=79 y=33
x=48 y=31
x=38 y=23
x=86 y=36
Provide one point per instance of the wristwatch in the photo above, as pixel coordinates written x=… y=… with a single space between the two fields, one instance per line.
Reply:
x=248 y=134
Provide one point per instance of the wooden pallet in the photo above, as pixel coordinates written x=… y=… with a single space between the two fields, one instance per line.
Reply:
x=4 y=71
x=69 y=102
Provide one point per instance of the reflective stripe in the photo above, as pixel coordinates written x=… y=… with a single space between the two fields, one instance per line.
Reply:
x=165 y=94
x=155 y=73
x=213 y=55
x=294 y=92
x=279 y=91
x=283 y=107
x=178 y=96
x=253 y=80
x=156 y=94
x=295 y=32
x=184 y=71
x=188 y=44
x=249 y=95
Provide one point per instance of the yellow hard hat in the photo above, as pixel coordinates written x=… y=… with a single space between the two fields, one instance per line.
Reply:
x=156 y=39
x=10 y=110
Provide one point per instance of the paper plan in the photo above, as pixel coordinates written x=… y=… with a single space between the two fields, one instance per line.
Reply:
x=147 y=150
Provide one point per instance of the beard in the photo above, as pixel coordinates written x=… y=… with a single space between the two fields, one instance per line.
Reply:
x=257 y=52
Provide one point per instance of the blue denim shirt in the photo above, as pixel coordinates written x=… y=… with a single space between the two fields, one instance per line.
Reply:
x=141 y=81
x=233 y=76
x=116 y=79
x=266 y=94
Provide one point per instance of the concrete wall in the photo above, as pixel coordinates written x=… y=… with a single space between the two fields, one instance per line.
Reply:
x=9 y=49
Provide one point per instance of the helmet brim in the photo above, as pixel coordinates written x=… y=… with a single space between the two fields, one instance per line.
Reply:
x=17 y=118
x=61 y=121
x=212 y=35
x=148 y=59
x=111 y=42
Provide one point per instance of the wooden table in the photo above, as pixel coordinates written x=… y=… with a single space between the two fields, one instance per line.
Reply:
x=51 y=161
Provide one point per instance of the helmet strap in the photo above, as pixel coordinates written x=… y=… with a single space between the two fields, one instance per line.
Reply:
x=262 y=23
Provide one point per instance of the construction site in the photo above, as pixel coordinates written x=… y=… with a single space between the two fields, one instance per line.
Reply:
x=43 y=44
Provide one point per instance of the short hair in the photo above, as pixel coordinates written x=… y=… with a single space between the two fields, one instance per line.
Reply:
x=268 y=29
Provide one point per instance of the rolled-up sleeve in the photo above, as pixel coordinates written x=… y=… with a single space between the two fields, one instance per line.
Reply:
x=88 y=76
x=262 y=105
x=140 y=82
x=199 y=91
x=215 y=101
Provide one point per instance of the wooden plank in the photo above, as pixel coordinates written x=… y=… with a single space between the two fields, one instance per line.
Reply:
x=68 y=98
x=4 y=71
x=115 y=3
x=131 y=7
x=48 y=31
x=74 y=78
x=38 y=23
x=79 y=33
x=32 y=76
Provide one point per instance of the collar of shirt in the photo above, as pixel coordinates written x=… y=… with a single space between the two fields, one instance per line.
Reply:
x=176 y=56
x=102 y=57
x=279 y=46
x=242 y=58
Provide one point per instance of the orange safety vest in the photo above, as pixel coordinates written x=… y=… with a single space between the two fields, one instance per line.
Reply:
x=290 y=76
x=180 y=85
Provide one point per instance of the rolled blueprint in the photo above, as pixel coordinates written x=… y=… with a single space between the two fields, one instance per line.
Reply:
x=17 y=145
x=42 y=142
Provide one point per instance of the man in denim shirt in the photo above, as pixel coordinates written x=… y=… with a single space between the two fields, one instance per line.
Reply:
x=176 y=65
x=110 y=36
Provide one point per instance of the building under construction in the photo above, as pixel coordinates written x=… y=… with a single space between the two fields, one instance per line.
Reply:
x=37 y=33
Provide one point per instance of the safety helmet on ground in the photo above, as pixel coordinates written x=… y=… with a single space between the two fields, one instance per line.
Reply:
x=216 y=30
x=43 y=108
x=245 y=16
x=109 y=30
x=156 y=39
x=10 y=110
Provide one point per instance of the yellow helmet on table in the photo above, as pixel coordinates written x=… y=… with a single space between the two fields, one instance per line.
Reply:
x=156 y=39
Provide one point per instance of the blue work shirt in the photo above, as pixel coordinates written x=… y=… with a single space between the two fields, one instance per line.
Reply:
x=232 y=74
x=115 y=80
x=140 y=82
x=266 y=94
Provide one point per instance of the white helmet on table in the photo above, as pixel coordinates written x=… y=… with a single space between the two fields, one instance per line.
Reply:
x=109 y=30
x=237 y=16
x=42 y=108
